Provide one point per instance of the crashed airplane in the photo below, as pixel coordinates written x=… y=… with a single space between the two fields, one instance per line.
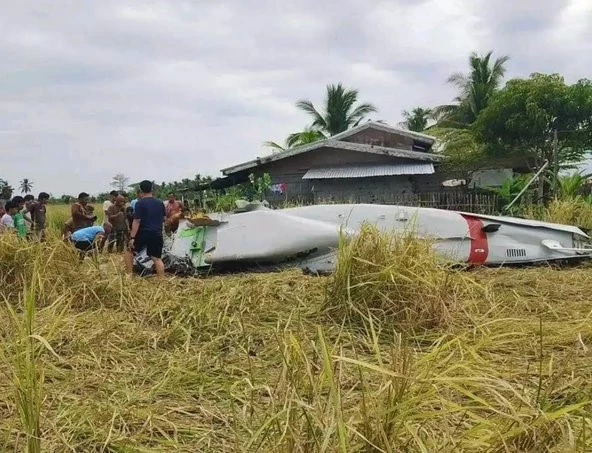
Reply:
x=308 y=237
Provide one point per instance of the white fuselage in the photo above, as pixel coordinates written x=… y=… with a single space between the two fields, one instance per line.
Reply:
x=308 y=236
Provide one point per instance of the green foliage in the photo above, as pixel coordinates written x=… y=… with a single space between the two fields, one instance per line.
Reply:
x=463 y=153
x=475 y=91
x=296 y=139
x=260 y=185
x=5 y=190
x=511 y=188
x=454 y=122
x=416 y=120
x=178 y=186
x=340 y=110
x=568 y=211
x=571 y=186
x=521 y=119
x=305 y=137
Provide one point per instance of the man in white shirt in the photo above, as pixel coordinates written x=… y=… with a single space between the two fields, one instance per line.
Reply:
x=108 y=203
x=7 y=222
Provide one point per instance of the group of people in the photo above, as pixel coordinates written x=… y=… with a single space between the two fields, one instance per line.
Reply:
x=131 y=225
x=25 y=216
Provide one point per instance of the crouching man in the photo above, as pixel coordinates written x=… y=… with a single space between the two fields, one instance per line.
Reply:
x=90 y=239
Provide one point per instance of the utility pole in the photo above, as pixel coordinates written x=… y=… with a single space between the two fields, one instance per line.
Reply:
x=555 y=163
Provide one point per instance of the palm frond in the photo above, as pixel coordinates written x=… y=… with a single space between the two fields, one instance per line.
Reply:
x=362 y=110
x=273 y=145
x=308 y=107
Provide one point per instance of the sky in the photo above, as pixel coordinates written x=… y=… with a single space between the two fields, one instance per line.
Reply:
x=166 y=89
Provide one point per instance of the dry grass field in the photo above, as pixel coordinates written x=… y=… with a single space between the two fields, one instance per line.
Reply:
x=395 y=352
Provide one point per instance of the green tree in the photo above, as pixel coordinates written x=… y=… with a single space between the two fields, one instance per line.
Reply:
x=416 y=120
x=341 y=110
x=530 y=117
x=26 y=186
x=5 y=190
x=475 y=91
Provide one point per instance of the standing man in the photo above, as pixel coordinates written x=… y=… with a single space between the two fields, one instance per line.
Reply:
x=173 y=206
x=29 y=200
x=116 y=217
x=146 y=233
x=81 y=214
x=107 y=203
x=38 y=212
x=135 y=200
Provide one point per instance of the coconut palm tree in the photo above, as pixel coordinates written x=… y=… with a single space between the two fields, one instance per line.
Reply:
x=340 y=110
x=417 y=119
x=475 y=90
x=305 y=137
x=26 y=186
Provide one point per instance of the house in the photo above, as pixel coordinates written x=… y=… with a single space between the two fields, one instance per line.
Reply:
x=372 y=162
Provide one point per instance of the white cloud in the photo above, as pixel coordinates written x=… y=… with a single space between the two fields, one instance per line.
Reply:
x=165 y=90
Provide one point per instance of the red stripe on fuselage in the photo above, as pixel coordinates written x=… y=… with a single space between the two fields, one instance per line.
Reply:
x=479 y=245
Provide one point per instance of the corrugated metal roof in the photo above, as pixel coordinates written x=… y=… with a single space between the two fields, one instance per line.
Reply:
x=369 y=171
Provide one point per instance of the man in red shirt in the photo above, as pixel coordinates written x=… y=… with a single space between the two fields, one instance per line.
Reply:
x=173 y=206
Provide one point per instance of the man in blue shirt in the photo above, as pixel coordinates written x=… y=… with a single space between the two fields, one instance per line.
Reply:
x=90 y=238
x=146 y=232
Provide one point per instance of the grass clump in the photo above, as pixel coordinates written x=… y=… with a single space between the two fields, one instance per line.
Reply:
x=575 y=211
x=396 y=278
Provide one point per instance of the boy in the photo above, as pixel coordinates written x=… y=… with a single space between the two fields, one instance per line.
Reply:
x=90 y=238
x=19 y=219
x=7 y=222
x=38 y=212
x=116 y=216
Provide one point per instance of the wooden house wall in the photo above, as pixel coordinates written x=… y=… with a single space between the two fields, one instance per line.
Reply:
x=380 y=138
x=377 y=137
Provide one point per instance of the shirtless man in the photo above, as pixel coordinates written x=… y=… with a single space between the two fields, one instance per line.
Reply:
x=81 y=214
x=173 y=206
x=117 y=217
